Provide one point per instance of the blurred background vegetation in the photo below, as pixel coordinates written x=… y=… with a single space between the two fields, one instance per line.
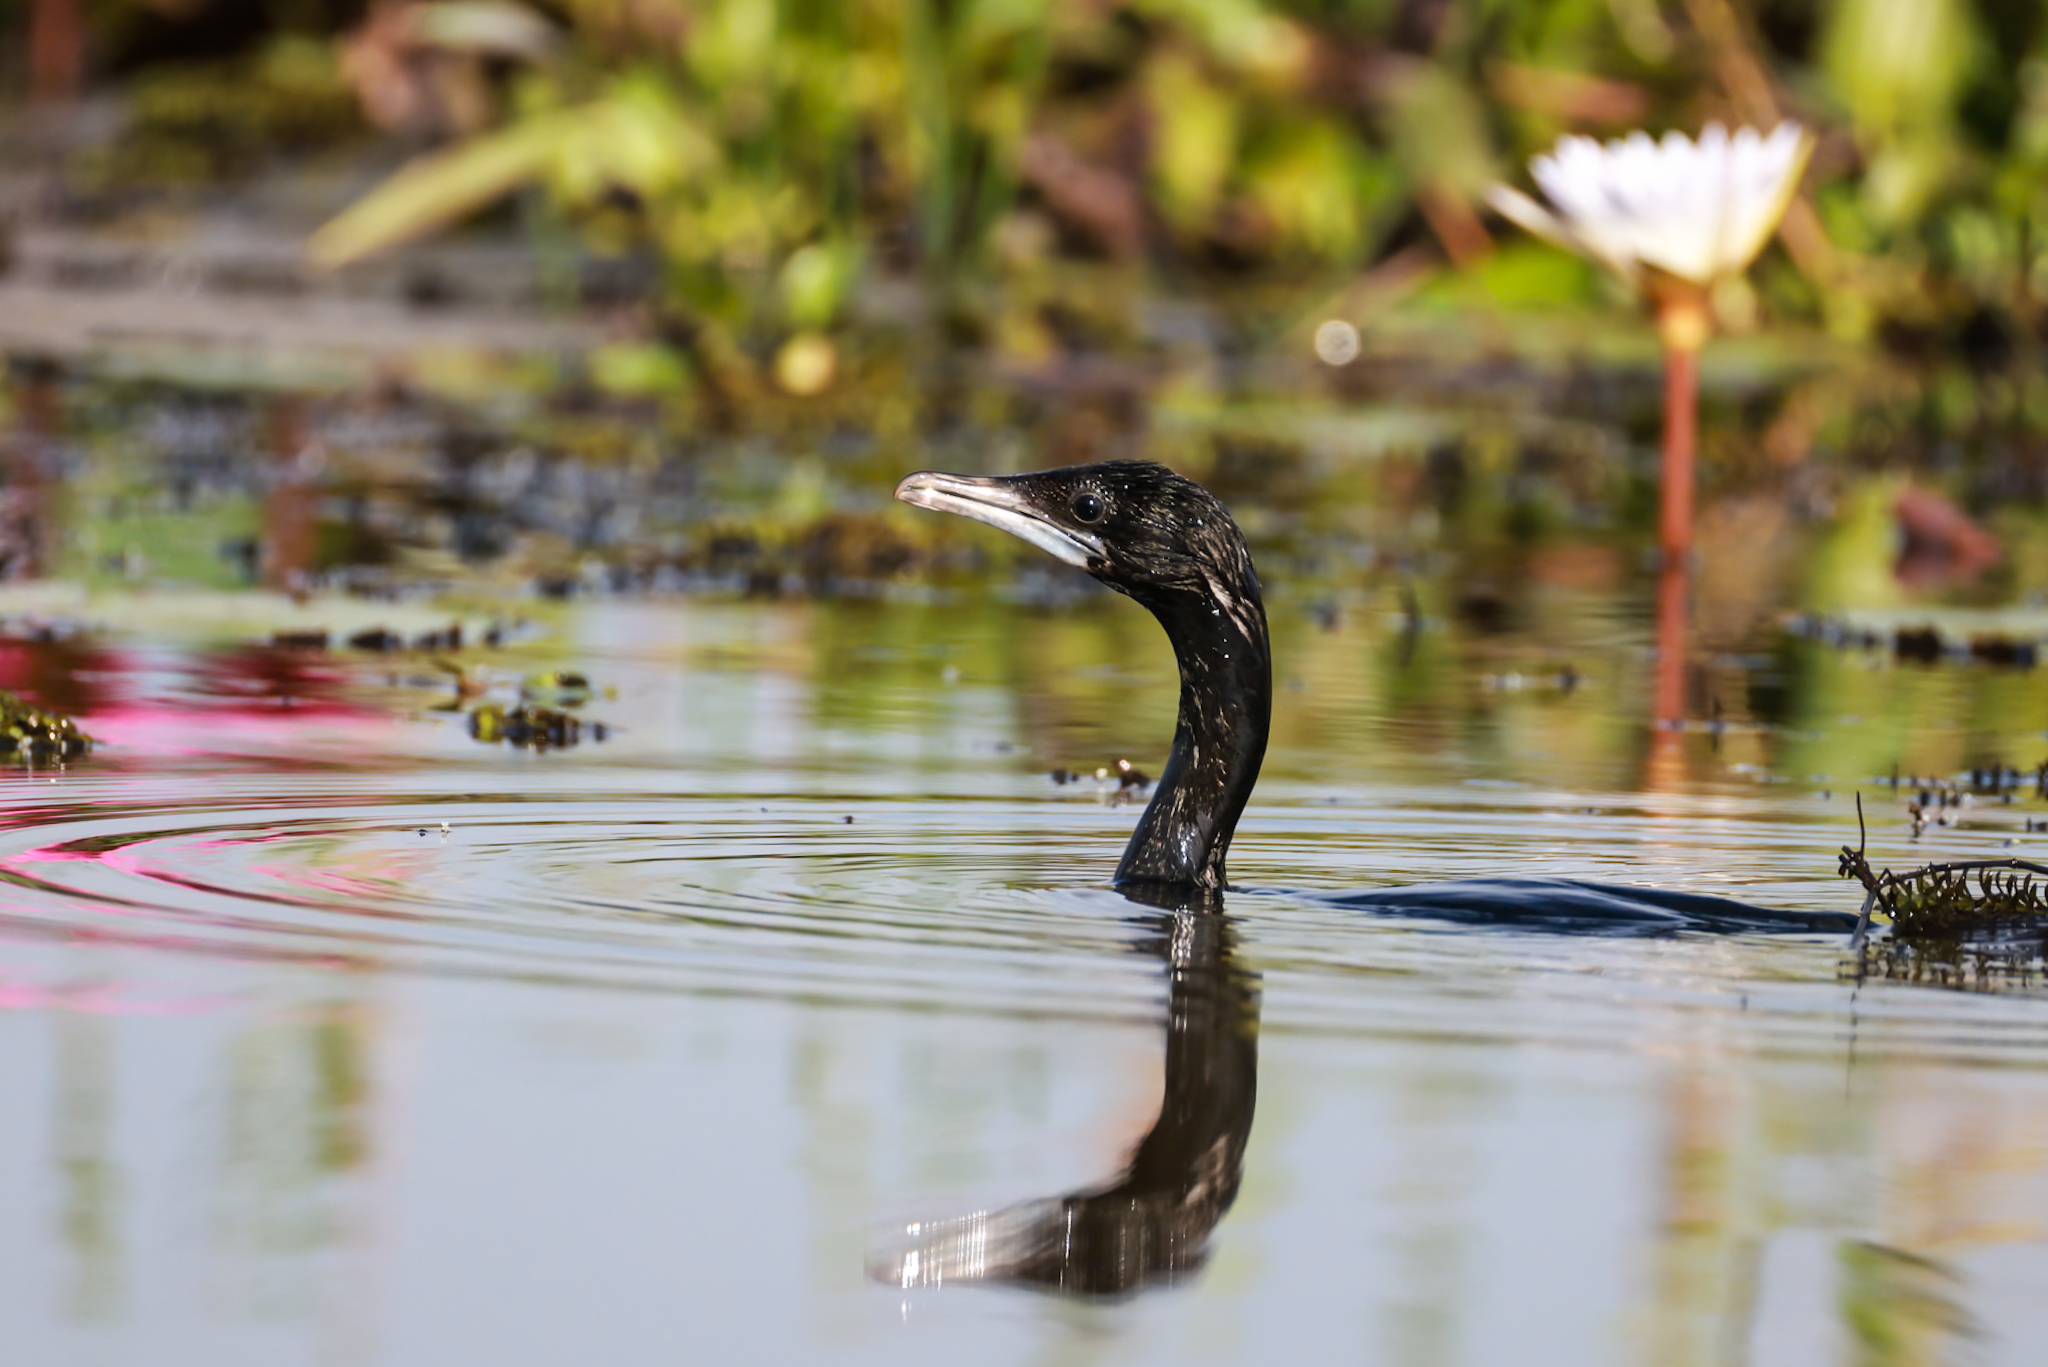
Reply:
x=773 y=158
x=877 y=234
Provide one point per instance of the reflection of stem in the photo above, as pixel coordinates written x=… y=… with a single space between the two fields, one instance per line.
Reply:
x=1707 y=1227
x=286 y=554
x=1667 y=707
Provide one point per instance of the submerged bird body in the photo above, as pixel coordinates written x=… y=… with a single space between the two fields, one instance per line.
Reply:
x=1166 y=542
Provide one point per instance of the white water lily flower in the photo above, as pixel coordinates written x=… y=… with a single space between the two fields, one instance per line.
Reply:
x=1695 y=210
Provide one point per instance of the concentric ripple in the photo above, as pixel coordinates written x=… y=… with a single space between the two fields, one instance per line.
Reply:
x=751 y=892
x=955 y=900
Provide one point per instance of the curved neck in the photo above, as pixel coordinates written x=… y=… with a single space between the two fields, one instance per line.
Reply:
x=1226 y=706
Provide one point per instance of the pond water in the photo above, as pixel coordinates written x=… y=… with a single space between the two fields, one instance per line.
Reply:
x=764 y=1028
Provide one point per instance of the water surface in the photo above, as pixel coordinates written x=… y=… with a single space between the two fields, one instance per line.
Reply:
x=659 y=1046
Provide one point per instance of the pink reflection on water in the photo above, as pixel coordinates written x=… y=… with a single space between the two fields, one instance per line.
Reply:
x=142 y=731
x=49 y=854
x=377 y=881
x=144 y=704
x=106 y=999
x=67 y=675
x=370 y=877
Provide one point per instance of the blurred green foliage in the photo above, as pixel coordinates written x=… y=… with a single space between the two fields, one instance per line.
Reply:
x=774 y=152
x=1029 y=161
x=194 y=123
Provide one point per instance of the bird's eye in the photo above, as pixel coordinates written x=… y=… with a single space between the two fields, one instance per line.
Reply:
x=1087 y=508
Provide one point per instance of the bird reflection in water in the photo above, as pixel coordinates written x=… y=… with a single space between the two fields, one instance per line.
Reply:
x=1150 y=1226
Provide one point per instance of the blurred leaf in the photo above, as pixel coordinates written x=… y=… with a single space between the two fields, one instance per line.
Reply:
x=815 y=282
x=1898 y=66
x=434 y=191
x=636 y=140
x=1524 y=274
x=1243 y=34
x=1895 y=63
x=1438 y=130
x=1315 y=182
x=1852 y=564
x=1195 y=131
x=638 y=370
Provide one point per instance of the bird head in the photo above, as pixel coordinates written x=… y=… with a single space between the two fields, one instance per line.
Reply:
x=1136 y=526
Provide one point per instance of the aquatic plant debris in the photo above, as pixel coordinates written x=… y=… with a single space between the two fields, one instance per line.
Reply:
x=378 y=640
x=555 y=688
x=1127 y=776
x=531 y=727
x=383 y=640
x=1945 y=929
x=36 y=735
x=1924 y=643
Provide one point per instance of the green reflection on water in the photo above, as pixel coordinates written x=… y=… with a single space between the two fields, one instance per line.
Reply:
x=88 y=1174
x=295 y=1119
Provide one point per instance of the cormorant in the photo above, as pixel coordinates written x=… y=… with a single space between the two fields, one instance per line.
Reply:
x=1165 y=541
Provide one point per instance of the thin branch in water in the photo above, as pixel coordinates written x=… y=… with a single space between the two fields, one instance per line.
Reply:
x=1855 y=864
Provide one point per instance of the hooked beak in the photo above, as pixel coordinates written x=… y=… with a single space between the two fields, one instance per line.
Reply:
x=1003 y=504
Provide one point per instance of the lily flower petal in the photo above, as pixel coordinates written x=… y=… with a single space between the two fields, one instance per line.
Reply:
x=1696 y=210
